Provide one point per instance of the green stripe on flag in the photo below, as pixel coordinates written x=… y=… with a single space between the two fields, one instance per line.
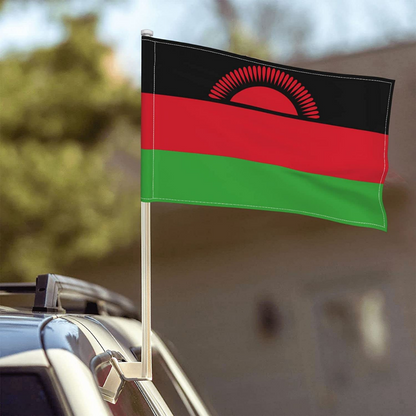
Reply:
x=191 y=178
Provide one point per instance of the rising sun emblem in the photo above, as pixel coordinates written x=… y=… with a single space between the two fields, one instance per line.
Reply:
x=267 y=88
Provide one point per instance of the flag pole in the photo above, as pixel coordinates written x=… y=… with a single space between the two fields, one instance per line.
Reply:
x=146 y=260
x=146 y=292
x=135 y=371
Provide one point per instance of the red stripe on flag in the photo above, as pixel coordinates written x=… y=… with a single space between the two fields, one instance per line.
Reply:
x=205 y=127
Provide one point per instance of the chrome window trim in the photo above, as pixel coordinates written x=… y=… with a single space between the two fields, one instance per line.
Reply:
x=153 y=398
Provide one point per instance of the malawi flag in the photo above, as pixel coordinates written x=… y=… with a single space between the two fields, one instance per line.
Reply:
x=232 y=131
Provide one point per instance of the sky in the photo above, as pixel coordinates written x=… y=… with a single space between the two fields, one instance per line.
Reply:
x=336 y=26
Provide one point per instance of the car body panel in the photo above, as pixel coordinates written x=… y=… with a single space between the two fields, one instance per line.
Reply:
x=11 y=341
x=65 y=345
x=65 y=333
x=109 y=342
x=25 y=359
x=131 y=332
x=106 y=340
x=77 y=383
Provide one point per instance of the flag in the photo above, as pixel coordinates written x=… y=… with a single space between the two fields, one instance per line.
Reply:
x=226 y=130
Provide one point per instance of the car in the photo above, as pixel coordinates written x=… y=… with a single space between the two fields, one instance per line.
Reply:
x=62 y=356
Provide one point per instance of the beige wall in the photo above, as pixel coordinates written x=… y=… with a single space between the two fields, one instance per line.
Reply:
x=212 y=267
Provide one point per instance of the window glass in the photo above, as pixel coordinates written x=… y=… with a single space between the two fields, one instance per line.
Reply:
x=130 y=402
x=169 y=388
x=25 y=393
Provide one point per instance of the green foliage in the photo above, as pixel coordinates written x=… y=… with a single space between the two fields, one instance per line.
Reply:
x=58 y=203
x=66 y=92
x=59 y=199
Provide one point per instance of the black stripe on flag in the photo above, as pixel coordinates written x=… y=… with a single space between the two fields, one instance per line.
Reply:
x=191 y=71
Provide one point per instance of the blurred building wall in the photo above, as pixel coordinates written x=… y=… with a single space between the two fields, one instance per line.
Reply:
x=281 y=314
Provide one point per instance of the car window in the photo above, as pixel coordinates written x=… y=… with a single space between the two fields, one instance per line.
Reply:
x=23 y=392
x=169 y=388
x=130 y=400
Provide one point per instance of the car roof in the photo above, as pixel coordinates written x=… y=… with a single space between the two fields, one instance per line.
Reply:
x=20 y=332
x=24 y=331
x=27 y=329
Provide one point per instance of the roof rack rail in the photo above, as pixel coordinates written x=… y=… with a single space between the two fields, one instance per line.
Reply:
x=17 y=288
x=49 y=288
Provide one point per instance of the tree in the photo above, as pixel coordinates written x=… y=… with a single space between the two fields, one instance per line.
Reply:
x=58 y=204
x=59 y=199
x=65 y=92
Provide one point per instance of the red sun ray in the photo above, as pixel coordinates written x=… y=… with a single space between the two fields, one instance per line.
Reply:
x=220 y=90
x=303 y=98
x=272 y=74
x=277 y=76
x=299 y=91
x=298 y=85
x=242 y=74
x=293 y=86
x=268 y=88
x=282 y=74
x=216 y=96
x=227 y=82
x=231 y=80
x=246 y=73
x=285 y=80
x=234 y=78
x=306 y=102
x=251 y=73
x=224 y=85
x=309 y=106
x=238 y=76
x=289 y=83
x=268 y=74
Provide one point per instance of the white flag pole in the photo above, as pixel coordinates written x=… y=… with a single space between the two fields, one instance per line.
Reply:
x=146 y=292
x=146 y=280
x=134 y=371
